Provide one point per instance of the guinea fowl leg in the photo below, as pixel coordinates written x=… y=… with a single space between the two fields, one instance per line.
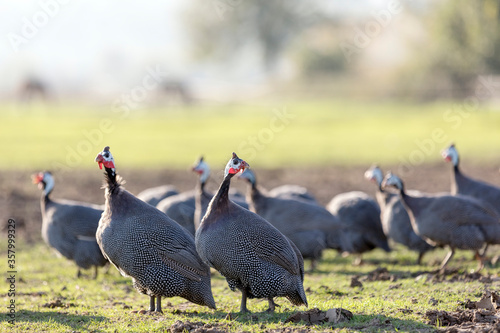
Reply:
x=484 y=251
x=272 y=305
x=158 y=304
x=419 y=259
x=447 y=258
x=151 y=303
x=95 y=273
x=78 y=273
x=243 y=307
x=481 y=259
x=313 y=265
x=358 y=261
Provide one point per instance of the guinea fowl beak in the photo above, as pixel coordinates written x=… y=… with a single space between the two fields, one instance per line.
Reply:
x=100 y=160
x=37 y=178
x=446 y=156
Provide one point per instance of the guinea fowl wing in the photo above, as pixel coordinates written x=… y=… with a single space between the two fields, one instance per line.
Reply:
x=466 y=212
x=173 y=245
x=274 y=247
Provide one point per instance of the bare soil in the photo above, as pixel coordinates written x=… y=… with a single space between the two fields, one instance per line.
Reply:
x=20 y=199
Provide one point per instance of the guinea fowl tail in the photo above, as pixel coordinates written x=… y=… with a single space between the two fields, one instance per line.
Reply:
x=298 y=297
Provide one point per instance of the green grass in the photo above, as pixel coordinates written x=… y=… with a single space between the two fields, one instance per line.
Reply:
x=105 y=304
x=315 y=133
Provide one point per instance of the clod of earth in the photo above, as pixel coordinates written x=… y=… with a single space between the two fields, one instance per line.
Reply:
x=316 y=316
x=57 y=304
x=480 y=316
x=355 y=282
x=197 y=327
x=380 y=274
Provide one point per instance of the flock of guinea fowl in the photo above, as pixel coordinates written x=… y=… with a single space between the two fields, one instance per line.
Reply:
x=259 y=245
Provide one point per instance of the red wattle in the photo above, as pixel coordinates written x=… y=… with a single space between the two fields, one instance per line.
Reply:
x=109 y=164
x=100 y=165
x=232 y=171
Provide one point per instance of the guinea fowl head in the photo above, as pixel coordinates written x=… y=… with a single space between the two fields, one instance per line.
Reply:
x=393 y=181
x=450 y=154
x=44 y=180
x=202 y=169
x=374 y=174
x=235 y=165
x=248 y=175
x=105 y=158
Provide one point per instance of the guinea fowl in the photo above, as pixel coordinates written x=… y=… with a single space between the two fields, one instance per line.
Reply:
x=311 y=227
x=359 y=215
x=248 y=251
x=180 y=208
x=148 y=246
x=461 y=184
x=460 y=222
x=70 y=226
x=203 y=197
x=156 y=194
x=395 y=220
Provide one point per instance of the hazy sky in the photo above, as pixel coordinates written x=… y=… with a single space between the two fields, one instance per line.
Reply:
x=101 y=43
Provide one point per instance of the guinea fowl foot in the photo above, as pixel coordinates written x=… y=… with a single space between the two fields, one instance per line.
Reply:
x=358 y=261
x=446 y=260
x=272 y=305
x=481 y=258
x=78 y=274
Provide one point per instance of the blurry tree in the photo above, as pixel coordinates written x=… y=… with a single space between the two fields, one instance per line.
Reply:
x=223 y=28
x=317 y=51
x=463 y=42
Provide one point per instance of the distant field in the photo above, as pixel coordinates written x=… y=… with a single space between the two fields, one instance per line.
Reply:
x=269 y=134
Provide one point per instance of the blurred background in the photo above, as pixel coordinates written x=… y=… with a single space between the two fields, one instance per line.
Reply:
x=304 y=83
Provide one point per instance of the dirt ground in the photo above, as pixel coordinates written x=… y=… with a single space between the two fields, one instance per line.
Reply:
x=20 y=199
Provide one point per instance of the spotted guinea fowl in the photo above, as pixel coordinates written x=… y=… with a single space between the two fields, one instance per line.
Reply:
x=359 y=215
x=203 y=197
x=148 y=246
x=156 y=194
x=70 y=226
x=461 y=222
x=310 y=226
x=248 y=251
x=462 y=184
x=395 y=220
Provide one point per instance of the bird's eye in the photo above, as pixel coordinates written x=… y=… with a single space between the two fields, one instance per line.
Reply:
x=235 y=162
x=106 y=155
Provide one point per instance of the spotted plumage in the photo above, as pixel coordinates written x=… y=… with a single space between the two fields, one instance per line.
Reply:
x=148 y=246
x=253 y=255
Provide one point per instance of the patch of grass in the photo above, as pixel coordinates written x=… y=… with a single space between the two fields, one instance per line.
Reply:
x=105 y=304
x=270 y=134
